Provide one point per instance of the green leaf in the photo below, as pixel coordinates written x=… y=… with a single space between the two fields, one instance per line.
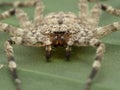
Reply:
x=37 y=74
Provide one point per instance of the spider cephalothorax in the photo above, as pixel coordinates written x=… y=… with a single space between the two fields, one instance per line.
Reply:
x=57 y=29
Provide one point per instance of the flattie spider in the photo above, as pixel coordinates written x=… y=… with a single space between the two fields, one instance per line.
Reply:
x=57 y=29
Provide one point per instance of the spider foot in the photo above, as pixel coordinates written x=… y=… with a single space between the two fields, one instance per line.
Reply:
x=18 y=84
x=68 y=53
x=48 y=55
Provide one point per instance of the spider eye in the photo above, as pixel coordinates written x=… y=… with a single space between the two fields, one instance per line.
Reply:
x=62 y=37
x=56 y=37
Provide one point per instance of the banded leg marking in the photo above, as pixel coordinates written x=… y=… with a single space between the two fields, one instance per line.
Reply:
x=97 y=63
x=20 y=14
x=105 y=30
x=38 y=12
x=110 y=10
x=94 y=17
x=23 y=18
x=14 y=31
x=11 y=63
x=83 y=6
x=19 y=4
x=7 y=14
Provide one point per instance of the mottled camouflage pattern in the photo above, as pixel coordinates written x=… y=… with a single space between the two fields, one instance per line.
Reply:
x=58 y=29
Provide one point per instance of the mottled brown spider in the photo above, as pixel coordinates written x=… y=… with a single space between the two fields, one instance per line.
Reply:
x=57 y=29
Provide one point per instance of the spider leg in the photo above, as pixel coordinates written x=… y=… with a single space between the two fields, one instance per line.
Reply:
x=7 y=14
x=94 y=17
x=20 y=14
x=11 y=63
x=23 y=18
x=97 y=63
x=98 y=58
x=11 y=12
x=38 y=12
x=110 y=10
x=19 y=3
x=48 y=52
x=14 y=31
x=83 y=14
x=68 y=53
x=105 y=30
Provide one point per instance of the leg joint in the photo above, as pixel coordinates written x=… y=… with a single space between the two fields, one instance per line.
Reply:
x=103 y=7
x=96 y=64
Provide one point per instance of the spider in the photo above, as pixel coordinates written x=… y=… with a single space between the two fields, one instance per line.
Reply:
x=63 y=29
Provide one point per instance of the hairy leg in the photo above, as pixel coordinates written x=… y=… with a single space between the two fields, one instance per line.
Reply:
x=83 y=14
x=94 y=17
x=96 y=12
x=105 y=30
x=23 y=18
x=38 y=12
x=97 y=63
x=98 y=58
x=7 y=14
x=11 y=12
x=20 y=14
x=28 y=3
x=108 y=29
x=14 y=31
x=110 y=10
x=11 y=63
